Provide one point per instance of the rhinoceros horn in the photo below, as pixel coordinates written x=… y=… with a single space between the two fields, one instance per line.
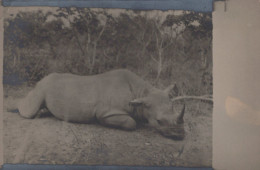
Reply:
x=180 y=116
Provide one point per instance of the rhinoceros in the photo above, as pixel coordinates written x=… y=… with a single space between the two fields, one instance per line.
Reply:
x=117 y=98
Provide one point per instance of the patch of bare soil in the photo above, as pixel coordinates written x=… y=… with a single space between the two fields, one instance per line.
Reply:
x=47 y=140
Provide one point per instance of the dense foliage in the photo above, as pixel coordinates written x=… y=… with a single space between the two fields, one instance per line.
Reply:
x=162 y=50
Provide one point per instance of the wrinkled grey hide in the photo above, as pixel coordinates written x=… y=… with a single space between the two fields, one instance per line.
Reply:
x=116 y=99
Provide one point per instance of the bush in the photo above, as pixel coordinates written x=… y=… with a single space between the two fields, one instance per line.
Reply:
x=163 y=53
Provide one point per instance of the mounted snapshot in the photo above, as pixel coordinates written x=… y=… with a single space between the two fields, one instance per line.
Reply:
x=107 y=87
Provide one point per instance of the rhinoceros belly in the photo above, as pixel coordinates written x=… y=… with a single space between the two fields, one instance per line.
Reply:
x=82 y=100
x=71 y=103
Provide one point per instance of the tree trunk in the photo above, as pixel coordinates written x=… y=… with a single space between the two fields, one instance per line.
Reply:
x=159 y=68
x=92 y=64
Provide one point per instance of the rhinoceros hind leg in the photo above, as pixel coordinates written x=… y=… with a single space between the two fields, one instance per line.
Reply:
x=119 y=121
x=31 y=104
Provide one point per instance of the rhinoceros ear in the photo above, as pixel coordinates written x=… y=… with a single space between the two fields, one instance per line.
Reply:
x=136 y=102
x=172 y=91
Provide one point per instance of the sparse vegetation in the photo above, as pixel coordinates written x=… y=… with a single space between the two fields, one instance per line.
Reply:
x=162 y=50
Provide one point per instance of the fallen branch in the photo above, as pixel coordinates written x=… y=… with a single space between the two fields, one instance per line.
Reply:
x=205 y=98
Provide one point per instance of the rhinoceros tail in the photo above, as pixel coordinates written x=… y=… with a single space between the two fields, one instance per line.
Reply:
x=31 y=104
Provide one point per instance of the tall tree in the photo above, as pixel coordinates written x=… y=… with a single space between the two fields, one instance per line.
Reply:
x=88 y=27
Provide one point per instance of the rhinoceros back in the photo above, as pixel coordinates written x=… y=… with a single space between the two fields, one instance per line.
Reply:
x=82 y=98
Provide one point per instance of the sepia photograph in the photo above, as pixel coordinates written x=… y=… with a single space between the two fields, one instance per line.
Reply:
x=93 y=86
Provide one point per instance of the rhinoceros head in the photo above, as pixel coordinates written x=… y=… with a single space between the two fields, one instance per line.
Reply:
x=158 y=109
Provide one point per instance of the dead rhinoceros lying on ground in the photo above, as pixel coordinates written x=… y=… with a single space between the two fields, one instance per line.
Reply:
x=114 y=98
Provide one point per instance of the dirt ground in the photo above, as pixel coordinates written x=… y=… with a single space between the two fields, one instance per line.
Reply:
x=47 y=140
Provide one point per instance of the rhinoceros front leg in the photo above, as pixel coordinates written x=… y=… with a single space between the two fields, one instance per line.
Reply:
x=118 y=119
